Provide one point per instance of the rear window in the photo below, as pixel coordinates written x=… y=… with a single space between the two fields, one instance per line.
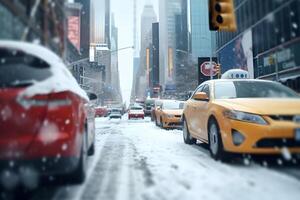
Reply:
x=18 y=69
x=136 y=108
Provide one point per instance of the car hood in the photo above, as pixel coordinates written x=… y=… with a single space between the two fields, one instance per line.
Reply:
x=263 y=106
x=173 y=112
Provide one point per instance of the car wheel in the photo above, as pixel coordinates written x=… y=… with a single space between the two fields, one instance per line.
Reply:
x=187 y=138
x=161 y=123
x=215 y=142
x=78 y=176
x=91 y=150
x=156 y=123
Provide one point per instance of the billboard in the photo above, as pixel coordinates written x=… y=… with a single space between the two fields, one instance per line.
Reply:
x=74 y=31
x=238 y=54
x=204 y=69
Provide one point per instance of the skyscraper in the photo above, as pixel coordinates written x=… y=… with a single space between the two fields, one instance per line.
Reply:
x=100 y=22
x=174 y=43
x=148 y=17
x=168 y=9
x=85 y=27
x=115 y=79
x=201 y=36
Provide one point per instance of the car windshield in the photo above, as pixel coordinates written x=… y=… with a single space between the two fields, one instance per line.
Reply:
x=149 y=102
x=172 y=105
x=18 y=69
x=252 y=89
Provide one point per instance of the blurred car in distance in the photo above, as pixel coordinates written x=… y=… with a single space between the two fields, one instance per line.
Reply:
x=115 y=114
x=149 y=105
x=169 y=114
x=47 y=122
x=243 y=116
x=136 y=112
x=101 y=111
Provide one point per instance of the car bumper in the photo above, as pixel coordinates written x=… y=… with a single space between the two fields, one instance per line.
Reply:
x=136 y=116
x=147 y=112
x=46 y=166
x=172 y=123
x=275 y=138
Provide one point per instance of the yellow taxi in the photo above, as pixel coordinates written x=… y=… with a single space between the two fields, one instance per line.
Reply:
x=169 y=113
x=243 y=116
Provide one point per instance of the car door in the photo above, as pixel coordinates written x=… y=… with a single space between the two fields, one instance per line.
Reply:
x=201 y=113
x=191 y=116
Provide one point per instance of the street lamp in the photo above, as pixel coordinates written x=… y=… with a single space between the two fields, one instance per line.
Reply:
x=211 y=55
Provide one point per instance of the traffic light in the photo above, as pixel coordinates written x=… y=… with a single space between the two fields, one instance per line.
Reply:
x=218 y=70
x=222 y=15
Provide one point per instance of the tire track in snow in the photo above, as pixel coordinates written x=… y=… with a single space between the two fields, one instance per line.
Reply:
x=103 y=181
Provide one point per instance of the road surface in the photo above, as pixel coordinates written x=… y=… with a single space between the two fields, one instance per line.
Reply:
x=135 y=160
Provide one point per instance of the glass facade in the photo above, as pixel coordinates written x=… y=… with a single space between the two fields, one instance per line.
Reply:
x=275 y=35
x=15 y=20
x=200 y=34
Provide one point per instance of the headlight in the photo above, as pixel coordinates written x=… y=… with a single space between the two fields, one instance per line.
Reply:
x=246 y=117
x=170 y=116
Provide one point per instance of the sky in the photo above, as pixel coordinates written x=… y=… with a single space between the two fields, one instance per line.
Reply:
x=123 y=10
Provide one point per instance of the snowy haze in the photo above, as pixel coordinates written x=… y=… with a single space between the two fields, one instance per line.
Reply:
x=123 y=10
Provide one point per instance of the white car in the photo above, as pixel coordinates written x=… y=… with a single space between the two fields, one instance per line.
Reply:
x=115 y=114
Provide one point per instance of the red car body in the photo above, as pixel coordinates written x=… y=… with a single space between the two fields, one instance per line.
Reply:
x=136 y=112
x=51 y=133
x=101 y=112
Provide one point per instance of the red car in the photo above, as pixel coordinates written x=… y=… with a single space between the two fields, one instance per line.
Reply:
x=136 y=112
x=101 y=112
x=46 y=121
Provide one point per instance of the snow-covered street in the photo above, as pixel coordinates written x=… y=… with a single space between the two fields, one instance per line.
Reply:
x=137 y=160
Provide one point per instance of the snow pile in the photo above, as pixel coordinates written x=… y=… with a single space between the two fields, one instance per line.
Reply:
x=61 y=79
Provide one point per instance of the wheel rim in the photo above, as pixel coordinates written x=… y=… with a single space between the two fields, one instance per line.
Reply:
x=214 y=140
x=185 y=132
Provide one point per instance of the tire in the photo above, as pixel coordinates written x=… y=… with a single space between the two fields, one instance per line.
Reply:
x=187 y=138
x=78 y=176
x=91 y=150
x=215 y=142
x=161 y=123
x=156 y=121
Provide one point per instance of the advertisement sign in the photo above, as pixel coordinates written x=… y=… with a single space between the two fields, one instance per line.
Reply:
x=238 y=54
x=208 y=68
x=204 y=69
x=74 y=31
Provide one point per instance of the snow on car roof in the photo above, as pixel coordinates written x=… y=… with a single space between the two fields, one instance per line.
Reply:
x=61 y=79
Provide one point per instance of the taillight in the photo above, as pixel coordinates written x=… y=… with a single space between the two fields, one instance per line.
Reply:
x=44 y=100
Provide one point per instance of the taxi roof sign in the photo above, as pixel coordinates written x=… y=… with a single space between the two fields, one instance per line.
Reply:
x=236 y=74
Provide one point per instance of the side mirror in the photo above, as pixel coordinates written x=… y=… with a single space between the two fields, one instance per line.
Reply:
x=201 y=96
x=92 y=96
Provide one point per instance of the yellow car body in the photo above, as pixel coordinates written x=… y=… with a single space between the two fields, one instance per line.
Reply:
x=169 y=117
x=246 y=125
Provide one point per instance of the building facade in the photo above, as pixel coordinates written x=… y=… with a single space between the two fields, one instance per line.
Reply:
x=267 y=42
x=115 y=77
x=201 y=36
x=154 y=72
x=142 y=78
x=100 y=22
x=85 y=27
x=47 y=26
